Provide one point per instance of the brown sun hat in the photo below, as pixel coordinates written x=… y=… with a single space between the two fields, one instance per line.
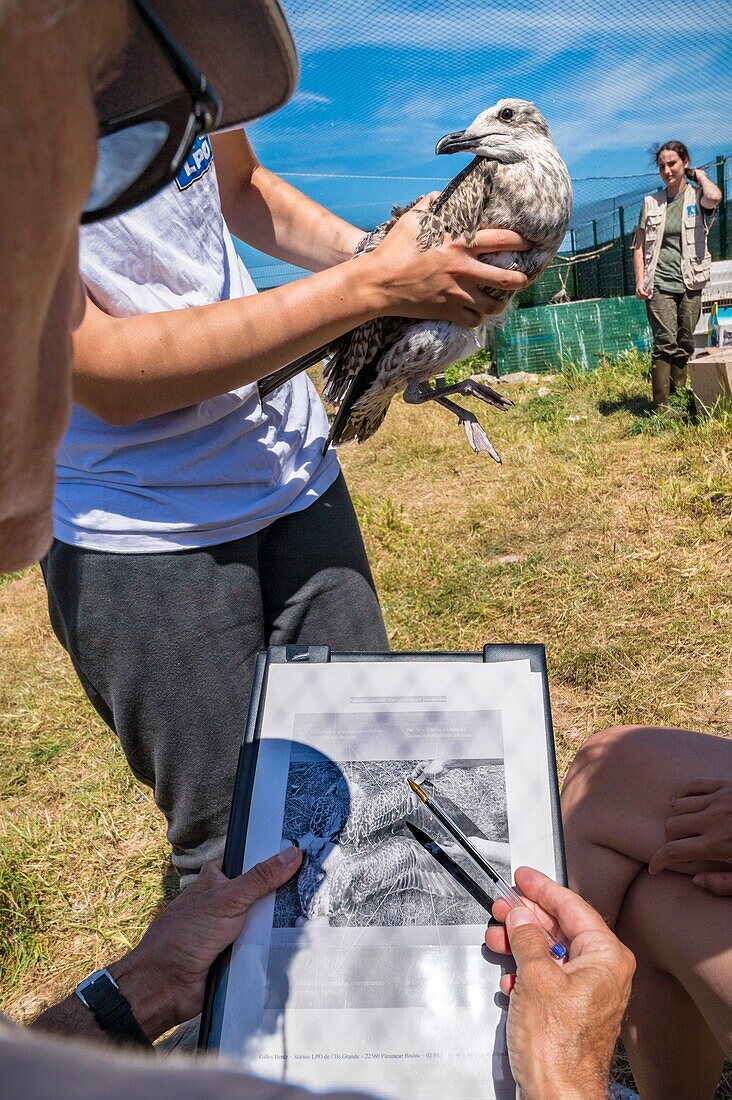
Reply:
x=244 y=48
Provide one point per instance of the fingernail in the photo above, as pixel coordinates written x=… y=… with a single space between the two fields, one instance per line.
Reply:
x=518 y=916
x=289 y=855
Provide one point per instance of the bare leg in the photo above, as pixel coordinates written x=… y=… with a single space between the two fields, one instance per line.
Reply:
x=679 y=1019
x=617 y=797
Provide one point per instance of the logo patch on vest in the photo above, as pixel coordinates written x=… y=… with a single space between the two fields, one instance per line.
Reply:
x=198 y=163
x=691 y=210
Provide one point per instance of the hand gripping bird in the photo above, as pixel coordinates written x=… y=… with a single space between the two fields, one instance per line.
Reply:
x=518 y=181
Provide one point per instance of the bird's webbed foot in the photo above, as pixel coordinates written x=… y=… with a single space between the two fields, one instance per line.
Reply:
x=418 y=392
x=475 y=432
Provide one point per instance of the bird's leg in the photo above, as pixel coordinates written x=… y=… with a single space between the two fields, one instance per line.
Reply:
x=471 y=388
x=418 y=392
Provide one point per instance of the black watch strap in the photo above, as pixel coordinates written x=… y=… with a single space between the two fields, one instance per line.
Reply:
x=101 y=994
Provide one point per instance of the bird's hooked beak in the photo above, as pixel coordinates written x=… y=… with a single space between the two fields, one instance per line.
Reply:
x=455 y=143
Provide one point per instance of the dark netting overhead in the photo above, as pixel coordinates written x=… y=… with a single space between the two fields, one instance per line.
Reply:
x=382 y=80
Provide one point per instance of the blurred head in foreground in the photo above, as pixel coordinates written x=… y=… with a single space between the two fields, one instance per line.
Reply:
x=105 y=101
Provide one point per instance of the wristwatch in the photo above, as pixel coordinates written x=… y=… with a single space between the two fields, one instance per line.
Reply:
x=101 y=995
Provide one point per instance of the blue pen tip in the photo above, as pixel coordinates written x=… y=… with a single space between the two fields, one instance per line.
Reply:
x=558 y=951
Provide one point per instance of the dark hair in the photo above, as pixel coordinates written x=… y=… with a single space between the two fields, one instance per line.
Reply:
x=672 y=147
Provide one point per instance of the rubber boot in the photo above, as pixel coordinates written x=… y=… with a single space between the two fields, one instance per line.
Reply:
x=678 y=377
x=661 y=382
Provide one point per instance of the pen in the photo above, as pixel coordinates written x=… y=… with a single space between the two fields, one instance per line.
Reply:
x=507 y=892
x=458 y=873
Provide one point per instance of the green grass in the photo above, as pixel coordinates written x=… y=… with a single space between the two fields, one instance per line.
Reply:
x=605 y=534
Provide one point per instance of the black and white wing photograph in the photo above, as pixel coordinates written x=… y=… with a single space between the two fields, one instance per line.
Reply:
x=364 y=866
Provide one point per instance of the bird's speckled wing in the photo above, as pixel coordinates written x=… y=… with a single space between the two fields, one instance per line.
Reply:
x=355 y=365
x=460 y=209
x=372 y=813
x=354 y=370
x=397 y=864
x=424 y=351
x=327 y=816
x=362 y=346
x=350 y=354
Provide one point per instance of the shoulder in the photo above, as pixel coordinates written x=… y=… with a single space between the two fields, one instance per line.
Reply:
x=654 y=201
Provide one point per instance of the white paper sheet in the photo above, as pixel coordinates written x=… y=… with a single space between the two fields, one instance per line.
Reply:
x=367 y=972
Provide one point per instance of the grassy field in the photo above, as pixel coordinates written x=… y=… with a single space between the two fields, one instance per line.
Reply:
x=605 y=535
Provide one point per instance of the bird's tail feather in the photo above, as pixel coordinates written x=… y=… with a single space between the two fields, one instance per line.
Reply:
x=278 y=377
x=348 y=426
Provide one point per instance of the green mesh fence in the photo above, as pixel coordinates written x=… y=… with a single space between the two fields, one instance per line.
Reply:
x=545 y=338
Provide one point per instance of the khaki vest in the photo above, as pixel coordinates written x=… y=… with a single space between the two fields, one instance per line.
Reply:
x=696 y=263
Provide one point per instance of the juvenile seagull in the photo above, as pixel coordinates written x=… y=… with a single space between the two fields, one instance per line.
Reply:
x=516 y=181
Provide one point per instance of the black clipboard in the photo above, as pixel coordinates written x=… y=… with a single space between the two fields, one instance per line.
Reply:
x=535 y=654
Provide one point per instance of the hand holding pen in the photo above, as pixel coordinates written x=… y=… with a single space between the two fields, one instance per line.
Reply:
x=510 y=896
x=562 y=1021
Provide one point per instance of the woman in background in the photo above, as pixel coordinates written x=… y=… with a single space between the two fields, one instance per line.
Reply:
x=672 y=264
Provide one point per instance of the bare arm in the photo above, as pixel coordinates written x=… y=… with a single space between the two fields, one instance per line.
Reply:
x=710 y=196
x=638 y=266
x=269 y=214
x=164 y=977
x=126 y=369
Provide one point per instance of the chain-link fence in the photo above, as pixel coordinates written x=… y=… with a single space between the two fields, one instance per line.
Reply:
x=605 y=240
x=606 y=213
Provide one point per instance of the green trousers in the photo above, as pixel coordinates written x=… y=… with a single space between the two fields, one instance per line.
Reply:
x=673 y=318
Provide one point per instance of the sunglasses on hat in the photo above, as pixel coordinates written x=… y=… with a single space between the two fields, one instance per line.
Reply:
x=140 y=152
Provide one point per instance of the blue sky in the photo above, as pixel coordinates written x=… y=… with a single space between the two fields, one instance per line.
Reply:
x=381 y=81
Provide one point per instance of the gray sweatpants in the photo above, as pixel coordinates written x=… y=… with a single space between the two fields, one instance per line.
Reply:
x=164 y=645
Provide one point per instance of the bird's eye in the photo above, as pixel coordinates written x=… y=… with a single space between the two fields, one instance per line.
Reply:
x=506 y=114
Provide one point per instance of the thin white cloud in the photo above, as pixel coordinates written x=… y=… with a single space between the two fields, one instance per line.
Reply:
x=307 y=99
x=626 y=104
x=537 y=26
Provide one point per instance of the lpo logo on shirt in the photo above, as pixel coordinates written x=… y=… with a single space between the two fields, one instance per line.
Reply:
x=198 y=163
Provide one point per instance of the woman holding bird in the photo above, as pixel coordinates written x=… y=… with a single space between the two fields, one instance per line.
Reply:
x=196 y=523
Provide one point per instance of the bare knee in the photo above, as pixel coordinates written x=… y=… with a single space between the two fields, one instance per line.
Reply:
x=613 y=756
x=631 y=773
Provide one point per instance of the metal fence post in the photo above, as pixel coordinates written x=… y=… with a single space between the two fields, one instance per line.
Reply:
x=596 y=264
x=574 y=266
x=623 y=257
x=722 y=210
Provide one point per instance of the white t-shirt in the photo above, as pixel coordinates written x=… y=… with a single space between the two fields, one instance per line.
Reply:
x=205 y=474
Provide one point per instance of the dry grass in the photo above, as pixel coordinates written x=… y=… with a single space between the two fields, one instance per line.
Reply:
x=609 y=544
x=605 y=535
